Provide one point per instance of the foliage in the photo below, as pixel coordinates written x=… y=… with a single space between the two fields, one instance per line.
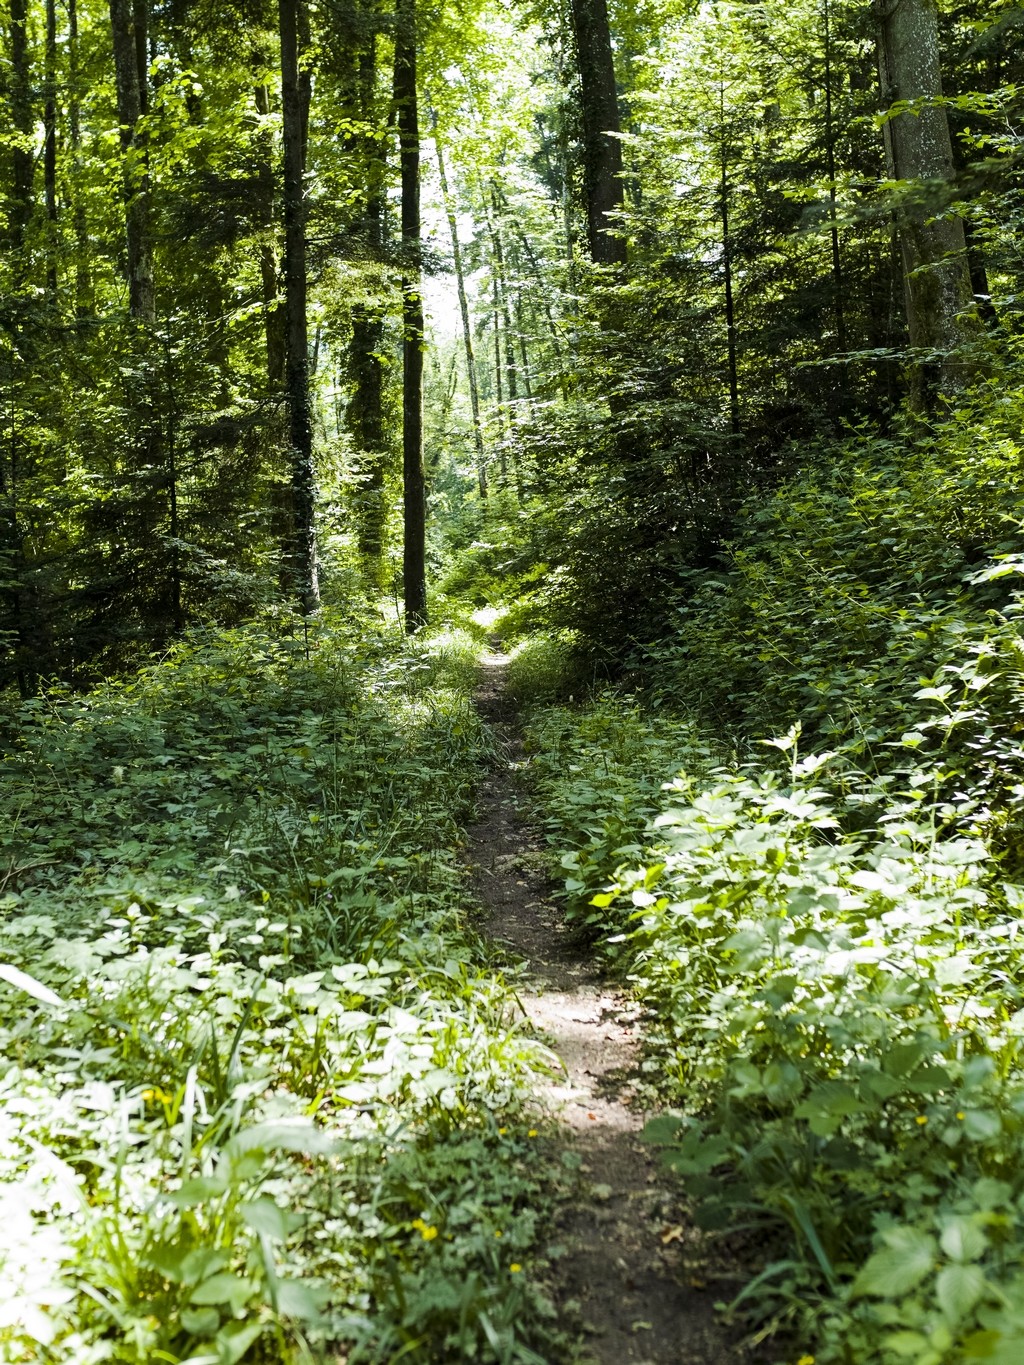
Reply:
x=260 y=1095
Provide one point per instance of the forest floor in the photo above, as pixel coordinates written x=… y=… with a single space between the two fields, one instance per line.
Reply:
x=630 y=1270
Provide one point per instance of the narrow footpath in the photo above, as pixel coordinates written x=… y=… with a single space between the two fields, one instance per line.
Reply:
x=631 y=1275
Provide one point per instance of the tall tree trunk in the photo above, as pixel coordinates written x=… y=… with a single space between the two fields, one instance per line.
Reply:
x=730 y=304
x=302 y=564
x=602 y=151
x=467 y=330
x=499 y=391
x=365 y=414
x=83 y=276
x=937 y=285
x=20 y=88
x=50 y=149
x=273 y=313
x=130 y=104
x=523 y=353
x=413 y=479
x=830 y=164
x=498 y=248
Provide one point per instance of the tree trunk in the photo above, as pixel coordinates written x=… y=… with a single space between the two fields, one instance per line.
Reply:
x=50 y=150
x=130 y=102
x=602 y=150
x=20 y=89
x=413 y=479
x=301 y=557
x=467 y=330
x=83 y=276
x=830 y=165
x=273 y=313
x=365 y=413
x=937 y=285
x=498 y=247
x=730 y=305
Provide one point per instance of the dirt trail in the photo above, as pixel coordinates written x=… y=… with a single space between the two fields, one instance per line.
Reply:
x=631 y=1275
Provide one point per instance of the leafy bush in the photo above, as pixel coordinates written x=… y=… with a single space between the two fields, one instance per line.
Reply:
x=262 y=1099
x=838 y=1018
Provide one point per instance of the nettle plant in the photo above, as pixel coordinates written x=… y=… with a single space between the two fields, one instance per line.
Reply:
x=843 y=1018
x=261 y=1098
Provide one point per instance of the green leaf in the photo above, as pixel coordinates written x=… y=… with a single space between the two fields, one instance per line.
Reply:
x=907 y=1345
x=662 y=1129
x=298 y=1300
x=959 y=1287
x=982 y=1125
x=265 y=1218
x=234 y=1339
x=201 y=1322
x=282 y=1135
x=963 y=1240
x=224 y=1290
x=197 y=1191
x=903 y=1262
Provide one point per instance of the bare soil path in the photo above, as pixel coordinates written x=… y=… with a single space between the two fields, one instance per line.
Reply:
x=632 y=1274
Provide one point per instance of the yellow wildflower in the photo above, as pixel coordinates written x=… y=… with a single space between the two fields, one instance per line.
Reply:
x=426 y=1230
x=515 y=1268
x=921 y=1119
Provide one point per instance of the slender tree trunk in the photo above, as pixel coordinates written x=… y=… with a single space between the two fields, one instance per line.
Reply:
x=273 y=313
x=413 y=478
x=830 y=161
x=503 y=322
x=467 y=330
x=498 y=248
x=130 y=102
x=302 y=564
x=499 y=391
x=937 y=286
x=83 y=276
x=365 y=412
x=602 y=150
x=20 y=88
x=523 y=354
x=50 y=149
x=730 y=306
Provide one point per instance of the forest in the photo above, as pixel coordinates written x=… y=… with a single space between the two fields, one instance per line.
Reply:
x=511 y=542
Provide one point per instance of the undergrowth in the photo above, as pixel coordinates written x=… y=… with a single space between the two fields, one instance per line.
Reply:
x=262 y=1098
x=825 y=926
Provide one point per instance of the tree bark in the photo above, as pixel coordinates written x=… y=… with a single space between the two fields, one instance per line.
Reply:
x=365 y=413
x=730 y=304
x=413 y=478
x=21 y=157
x=602 y=150
x=937 y=285
x=130 y=102
x=501 y=293
x=301 y=556
x=830 y=166
x=50 y=149
x=83 y=276
x=467 y=330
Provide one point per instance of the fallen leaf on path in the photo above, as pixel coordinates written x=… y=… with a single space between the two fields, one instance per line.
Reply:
x=671 y=1234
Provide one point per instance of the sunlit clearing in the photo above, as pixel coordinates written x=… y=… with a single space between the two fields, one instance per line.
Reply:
x=488 y=617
